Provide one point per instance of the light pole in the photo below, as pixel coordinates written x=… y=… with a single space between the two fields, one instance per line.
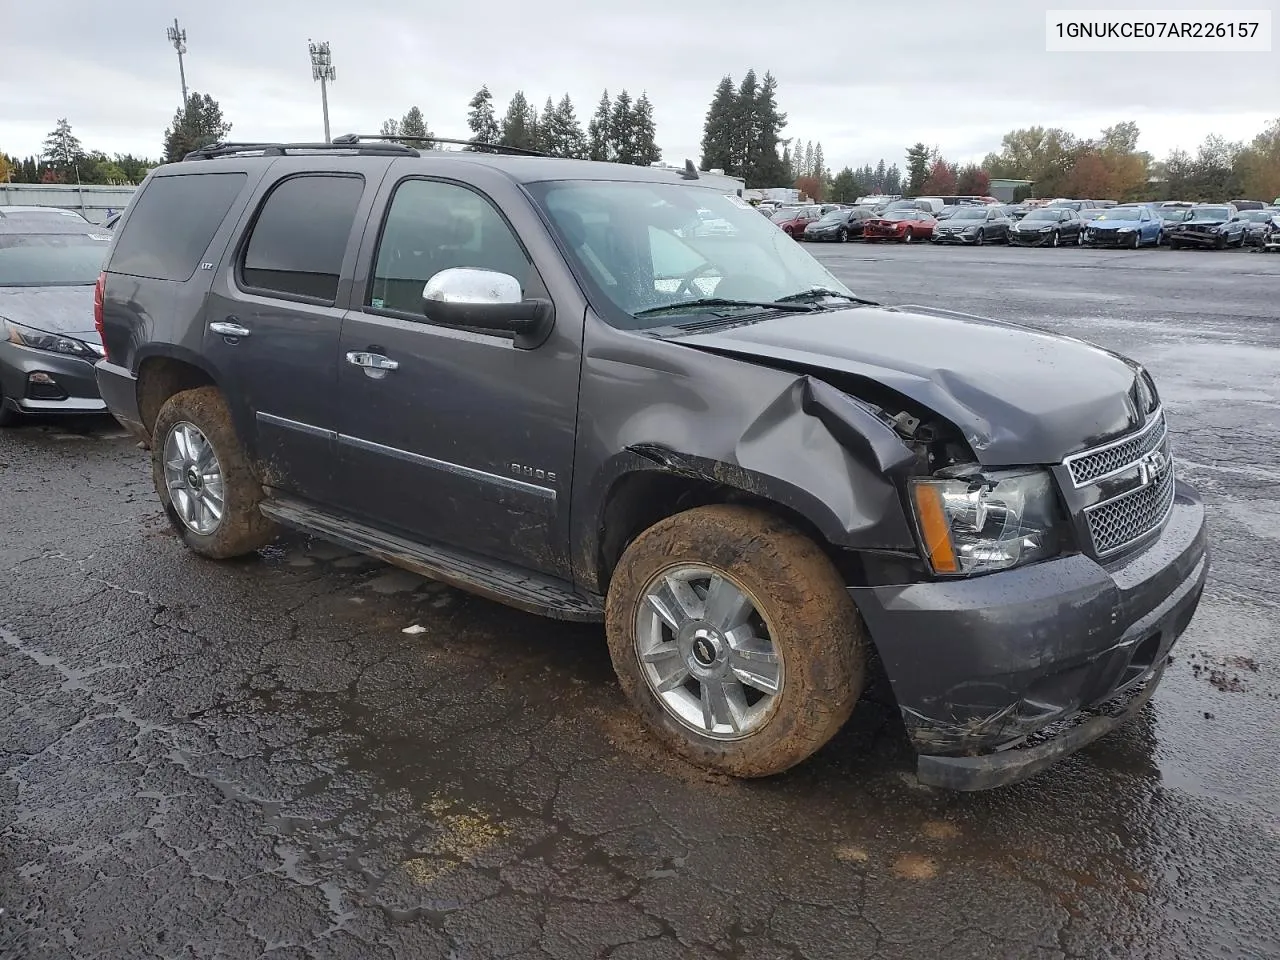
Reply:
x=322 y=69
x=178 y=37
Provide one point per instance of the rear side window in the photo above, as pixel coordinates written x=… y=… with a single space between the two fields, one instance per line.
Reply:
x=300 y=237
x=171 y=224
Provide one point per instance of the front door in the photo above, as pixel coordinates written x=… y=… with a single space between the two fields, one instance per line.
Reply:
x=450 y=435
x=272 y=326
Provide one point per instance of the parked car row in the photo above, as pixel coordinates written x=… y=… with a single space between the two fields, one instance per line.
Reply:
x=1058 y=223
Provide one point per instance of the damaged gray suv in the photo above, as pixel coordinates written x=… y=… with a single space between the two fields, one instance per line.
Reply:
x=548 y=382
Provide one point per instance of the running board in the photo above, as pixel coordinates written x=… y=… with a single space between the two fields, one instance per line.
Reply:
x=490 y=579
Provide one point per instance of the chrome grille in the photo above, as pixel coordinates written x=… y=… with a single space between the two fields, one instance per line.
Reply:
x=1117 y=523
x=1101 y=462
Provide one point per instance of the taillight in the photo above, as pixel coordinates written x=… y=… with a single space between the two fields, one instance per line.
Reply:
x=99 y=292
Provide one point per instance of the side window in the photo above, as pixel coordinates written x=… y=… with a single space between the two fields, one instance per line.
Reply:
x=433 y=226
x=300 y=236
x=158 y=244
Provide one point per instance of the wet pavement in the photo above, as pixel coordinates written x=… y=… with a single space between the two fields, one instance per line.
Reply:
x=254 y=759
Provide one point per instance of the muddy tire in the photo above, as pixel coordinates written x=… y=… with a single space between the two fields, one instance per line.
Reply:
x=710 y=595
x=194 y=438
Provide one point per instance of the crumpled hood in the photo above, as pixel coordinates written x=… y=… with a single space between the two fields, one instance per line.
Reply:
x=1108 y=222
x=65 y=309
x=1020 y=396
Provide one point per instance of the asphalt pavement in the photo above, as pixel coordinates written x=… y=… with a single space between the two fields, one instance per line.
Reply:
x=255 y=760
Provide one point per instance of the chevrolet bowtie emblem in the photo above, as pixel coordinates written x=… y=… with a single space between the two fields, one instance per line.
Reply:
x=1152 y=467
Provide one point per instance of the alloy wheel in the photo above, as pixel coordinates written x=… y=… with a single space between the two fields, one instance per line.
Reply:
x=705 y=651
x=194 y=478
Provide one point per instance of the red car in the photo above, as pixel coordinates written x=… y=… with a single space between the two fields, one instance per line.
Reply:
x=901 y=225
x=793 y=220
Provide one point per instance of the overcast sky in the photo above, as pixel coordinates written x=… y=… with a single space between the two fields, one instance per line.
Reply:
x=865 y=80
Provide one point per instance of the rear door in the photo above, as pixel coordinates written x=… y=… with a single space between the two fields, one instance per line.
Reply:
x=273 y=320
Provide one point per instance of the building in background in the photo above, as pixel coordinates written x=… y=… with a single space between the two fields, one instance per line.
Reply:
x=92 y=201
x=1006 y=190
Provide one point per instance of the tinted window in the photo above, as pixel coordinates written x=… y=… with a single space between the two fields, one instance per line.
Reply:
x=172 y=222
x=433 y=226
x=300 y=236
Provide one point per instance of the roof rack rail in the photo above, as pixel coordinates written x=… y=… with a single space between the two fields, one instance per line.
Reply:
x=272 y=149
x=474 y=145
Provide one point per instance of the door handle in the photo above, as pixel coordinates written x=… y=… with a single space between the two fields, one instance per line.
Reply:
x=372 y=361
x=229 y=328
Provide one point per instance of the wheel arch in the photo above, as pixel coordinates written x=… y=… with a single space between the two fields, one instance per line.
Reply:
x=163 y=372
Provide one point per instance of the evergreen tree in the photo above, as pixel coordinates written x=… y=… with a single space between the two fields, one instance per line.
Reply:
x=549 y=130
x=642 y=125
x=893 y=180
x=819 y=171
x=844 y=187
x=806 y=166
x=413 y=125
x=621 y=129
x=569 y=130
x=196 y=125
x=789 y=174
x=62 y=150
x=717 y=130
x=480 y=118
x=745 y=130
x=769 y=169
x=880 y=176
x=599 y=134
x=917 y=168
x=520 y=125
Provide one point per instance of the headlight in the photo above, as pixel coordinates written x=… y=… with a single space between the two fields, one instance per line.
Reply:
x=52 y=342
x=1045 y=229
x=971 y=230
x=1126 y=229
x=972 y=522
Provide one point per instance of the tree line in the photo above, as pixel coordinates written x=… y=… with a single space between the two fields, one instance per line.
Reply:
x=1060 y=164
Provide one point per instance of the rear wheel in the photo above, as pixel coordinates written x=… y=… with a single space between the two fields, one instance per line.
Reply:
x=204 y=479
x=735 y=638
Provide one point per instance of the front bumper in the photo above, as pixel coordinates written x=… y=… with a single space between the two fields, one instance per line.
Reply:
x=825 y=235
x=953 y=237
x=1000 y=676
x=1109 y=238
x=73 y=389
x=1199 y=239
x=1029 y=239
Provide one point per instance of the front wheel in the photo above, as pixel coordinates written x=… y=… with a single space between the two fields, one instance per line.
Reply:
x=1136 y=242
x=735 y=638
x=980 y=239
x=205 y=482
x=1053 y=239
x=842 y=236
x=908 y=235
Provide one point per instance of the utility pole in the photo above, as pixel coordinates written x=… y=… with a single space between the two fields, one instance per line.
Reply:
x=178 y=37
x=322 y=69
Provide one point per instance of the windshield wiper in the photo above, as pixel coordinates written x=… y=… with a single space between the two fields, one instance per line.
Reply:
x=786 y=306
x=818 y=293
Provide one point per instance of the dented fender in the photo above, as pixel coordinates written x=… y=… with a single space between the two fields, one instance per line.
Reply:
x=783 y=436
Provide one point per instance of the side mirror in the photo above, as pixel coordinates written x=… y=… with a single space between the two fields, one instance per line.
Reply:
x=487 y=300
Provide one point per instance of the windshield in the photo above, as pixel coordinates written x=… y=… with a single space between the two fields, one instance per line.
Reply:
x=834 y=216
x=786 y=213
x=906 y=215
x=1255 y=216
x=1121 y=213
x=1044 y=215
x=1174 y=214
x=636 y=248
x=50 y=259
x=970 y=213
x=1210 y=213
